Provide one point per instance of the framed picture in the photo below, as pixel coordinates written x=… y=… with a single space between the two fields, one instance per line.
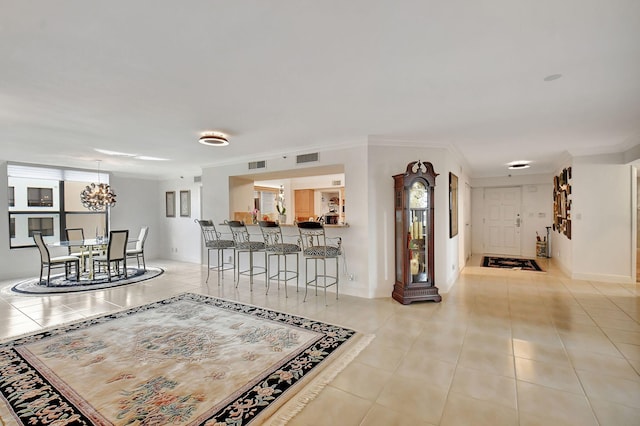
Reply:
x=185 y=203
x=453 y=205
x=170 y=203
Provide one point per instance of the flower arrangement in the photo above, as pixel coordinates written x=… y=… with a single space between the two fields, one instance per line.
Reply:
x=281 y=208
x=254 y=215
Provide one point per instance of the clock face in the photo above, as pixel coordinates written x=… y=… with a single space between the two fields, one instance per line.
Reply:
x=418 y=196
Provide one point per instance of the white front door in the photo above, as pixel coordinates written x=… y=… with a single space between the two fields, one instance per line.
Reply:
x=502 y=220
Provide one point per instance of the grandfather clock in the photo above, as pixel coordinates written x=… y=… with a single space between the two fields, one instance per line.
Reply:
x=414 y=234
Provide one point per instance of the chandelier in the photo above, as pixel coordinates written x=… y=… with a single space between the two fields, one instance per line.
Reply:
x=98 y=196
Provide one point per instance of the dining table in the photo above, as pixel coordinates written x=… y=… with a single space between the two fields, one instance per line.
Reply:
x=89 y=245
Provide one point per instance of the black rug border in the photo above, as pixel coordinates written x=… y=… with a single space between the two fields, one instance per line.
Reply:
x=485 y=261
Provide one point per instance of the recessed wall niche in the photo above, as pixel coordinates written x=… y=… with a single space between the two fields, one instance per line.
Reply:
x=562 y=202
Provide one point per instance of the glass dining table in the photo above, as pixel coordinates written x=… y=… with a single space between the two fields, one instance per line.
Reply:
x=88 y=245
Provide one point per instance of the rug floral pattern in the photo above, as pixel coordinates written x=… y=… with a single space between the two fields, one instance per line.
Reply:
x=187 y=360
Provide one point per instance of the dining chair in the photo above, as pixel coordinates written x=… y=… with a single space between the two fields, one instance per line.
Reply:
x=138 y=251
x=243 y=244
x=77 y=234
x=213 y=241
x=315 y=248
x=116 y=253
x=276 y=246
x=46 y=261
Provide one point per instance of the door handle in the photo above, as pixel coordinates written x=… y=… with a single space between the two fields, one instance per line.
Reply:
x=518 y=221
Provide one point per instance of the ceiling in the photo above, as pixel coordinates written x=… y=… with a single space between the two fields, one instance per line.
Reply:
x=283 y=77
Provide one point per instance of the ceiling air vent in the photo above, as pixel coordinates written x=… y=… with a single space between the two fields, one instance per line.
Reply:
x=336 y=182
x=197 y=179
x=257 y=165
x=306 y=158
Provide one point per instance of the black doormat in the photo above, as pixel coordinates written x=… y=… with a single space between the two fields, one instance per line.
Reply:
x=511 y=263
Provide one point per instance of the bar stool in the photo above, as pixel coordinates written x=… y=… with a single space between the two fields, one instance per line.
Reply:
x=275 y=246
x=213 y=241
x=315 y=247
x=243 y=244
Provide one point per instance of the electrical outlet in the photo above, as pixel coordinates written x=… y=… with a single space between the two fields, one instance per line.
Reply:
x=351 y=277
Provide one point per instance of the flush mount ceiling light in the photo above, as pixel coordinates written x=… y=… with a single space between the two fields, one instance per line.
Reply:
x=214 y=139
x=552 y=77
x=516 y=165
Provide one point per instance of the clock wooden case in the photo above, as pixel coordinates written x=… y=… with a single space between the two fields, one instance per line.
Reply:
x=414 y=234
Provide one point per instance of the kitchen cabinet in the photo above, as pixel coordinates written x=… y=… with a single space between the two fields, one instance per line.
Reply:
x=414 y=245
x=304 y=204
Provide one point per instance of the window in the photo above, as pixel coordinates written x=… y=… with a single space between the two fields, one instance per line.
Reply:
x=42 y=224
x=40 y=197
x=48 y=200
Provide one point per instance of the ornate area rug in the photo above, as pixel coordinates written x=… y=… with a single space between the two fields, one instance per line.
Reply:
x=511 y=263
x=186 y=360
x=58 y=283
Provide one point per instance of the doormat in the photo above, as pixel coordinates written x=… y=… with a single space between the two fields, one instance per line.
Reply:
x=187 y=360
x=511 y=263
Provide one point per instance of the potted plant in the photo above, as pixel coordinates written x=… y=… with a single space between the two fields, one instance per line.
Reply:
x=282 y=213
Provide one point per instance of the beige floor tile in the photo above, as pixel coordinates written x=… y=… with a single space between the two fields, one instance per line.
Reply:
x=489 y=342
x=548 y=374
x=608 y=388
x=540 y=352
x=383 y=416
x=610 y=414
x=629 y=351
x=414 y=396
x=434 y=371
x=557 y=407
x=362 y=380
x=488 y=362
x=541 y=419
x=381 y=356
x=444 y=350
x=597 y=363
x=485 y=387
x=622 y=336
x=333 y=407
x=464 y=410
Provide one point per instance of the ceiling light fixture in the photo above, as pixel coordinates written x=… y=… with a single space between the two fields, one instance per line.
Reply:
x=98 y=196
x=516 y=165
x=214 y=139
x=552 y=77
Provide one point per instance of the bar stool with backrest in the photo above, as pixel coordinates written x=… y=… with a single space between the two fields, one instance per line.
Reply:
x=243 y=244
x=316 y=249
x=213 y=241
x=276 y=246
x=138 y=251
x=116 y=253
x=46 y=261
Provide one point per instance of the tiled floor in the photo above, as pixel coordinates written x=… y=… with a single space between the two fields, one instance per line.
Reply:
x=503 y=347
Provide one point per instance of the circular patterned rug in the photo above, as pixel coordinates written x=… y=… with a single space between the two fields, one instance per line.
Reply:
x=58 y=284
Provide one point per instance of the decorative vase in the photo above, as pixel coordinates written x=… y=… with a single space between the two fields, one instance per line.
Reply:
x=282 y=218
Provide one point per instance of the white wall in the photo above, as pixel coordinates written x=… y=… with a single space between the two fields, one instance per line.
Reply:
x=138 y=204
x=180 y=236
x=601 y=222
